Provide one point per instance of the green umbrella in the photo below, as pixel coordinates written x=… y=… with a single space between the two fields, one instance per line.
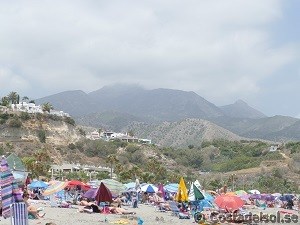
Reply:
x=114 y=186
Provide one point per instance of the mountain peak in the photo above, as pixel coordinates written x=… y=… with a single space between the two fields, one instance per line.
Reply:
x=240 y=102
x=240 y=109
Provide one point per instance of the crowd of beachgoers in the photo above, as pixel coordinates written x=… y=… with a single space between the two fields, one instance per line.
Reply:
x=135 y=203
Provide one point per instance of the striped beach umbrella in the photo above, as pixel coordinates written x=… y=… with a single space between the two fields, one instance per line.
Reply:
x=54 y=188
x=9 y=190
x=114 y=186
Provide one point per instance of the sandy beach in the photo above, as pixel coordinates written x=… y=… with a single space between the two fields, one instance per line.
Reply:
x=63 y=216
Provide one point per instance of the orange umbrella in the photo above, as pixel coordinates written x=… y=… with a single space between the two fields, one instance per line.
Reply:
x=229 y=202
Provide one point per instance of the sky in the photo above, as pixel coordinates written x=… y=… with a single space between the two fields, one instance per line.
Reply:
x=222 y=50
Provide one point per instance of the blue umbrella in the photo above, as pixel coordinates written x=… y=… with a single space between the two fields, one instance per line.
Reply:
x=286 y=197
x=172 y=187
x=208 y=197
x=38 y=184
x=149 y=188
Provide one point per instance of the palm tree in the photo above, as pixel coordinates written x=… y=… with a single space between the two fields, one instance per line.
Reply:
x=13 y=97
x=46 y=107
x=25 y=99
x=111 y=159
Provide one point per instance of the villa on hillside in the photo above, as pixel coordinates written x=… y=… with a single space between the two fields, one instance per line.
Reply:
x=109 y=135
x=33 y=108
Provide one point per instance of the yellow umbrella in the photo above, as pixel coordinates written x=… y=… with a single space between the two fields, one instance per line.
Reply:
x=182 y=194
x=54 y=188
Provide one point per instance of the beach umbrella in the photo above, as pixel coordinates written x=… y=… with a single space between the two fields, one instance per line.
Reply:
x=254 y=191
x=198 y=185
x=245 y=197
x=54 y=188
x=240 y=192
x=130 y=185
x=149 y=188
x=91 y=193
x=276 y=194
x=78 y=183
x=195 y=194
x=286 y=197
x=229 y=202
x=172 y=187
x=208 y=197
x=255 y=196
x=268 y=197
x=37 y=184
x=103 y=194
x=9 y=190
x=114 y=186
x=182 y=193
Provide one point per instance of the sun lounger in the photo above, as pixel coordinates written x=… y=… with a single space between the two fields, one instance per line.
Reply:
x=19 y=214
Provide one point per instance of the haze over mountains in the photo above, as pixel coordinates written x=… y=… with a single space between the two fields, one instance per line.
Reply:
x=120 y=106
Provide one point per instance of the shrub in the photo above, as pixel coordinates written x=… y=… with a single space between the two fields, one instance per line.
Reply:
x=72 y=146
x=69 y=120
x=14 y=122
x=25 y=116
x=42 y=136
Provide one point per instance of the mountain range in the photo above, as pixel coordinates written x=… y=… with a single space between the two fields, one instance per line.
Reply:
x=120 y=107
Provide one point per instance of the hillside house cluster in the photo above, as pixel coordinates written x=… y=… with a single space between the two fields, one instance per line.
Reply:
x=108 y=135
x=33 y=108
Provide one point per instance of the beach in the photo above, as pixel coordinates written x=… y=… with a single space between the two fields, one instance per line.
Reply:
x=148 y=213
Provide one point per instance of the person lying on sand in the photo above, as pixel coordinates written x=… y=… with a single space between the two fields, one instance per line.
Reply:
x=89 y=207
x=115 y=210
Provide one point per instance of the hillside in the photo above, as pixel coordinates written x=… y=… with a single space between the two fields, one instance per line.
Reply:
x=183 y=133
x=64 y=142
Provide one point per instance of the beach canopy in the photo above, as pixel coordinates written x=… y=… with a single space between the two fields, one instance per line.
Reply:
x=37 y=184
x=182 y=193
x=54 y=188
x=229 y=202
x=114 y=186
x=103 y=194
x=149 y=188
x=9 y=190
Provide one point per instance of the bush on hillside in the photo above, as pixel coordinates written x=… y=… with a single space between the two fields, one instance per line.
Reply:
x=69 y=120
x=24 y=116
x=41 y=136
x=15 y=123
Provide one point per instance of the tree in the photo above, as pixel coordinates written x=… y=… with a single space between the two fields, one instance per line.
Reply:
x=13 y=97
x=25 y=99
x=46 y=107
x=5 y=101
x=111 y=159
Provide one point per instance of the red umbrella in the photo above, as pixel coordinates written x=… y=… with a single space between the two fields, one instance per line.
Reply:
x=103 y=194
x=229 y=202
x=78 y=183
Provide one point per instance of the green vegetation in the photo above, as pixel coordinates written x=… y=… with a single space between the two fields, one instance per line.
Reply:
x=15 y=122
x=41 y=134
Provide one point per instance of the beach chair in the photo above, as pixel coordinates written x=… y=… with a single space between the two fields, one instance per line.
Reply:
x=19 y=214
x=174 y=208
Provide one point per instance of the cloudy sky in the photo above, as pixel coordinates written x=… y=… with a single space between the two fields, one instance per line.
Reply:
x=222 y=50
